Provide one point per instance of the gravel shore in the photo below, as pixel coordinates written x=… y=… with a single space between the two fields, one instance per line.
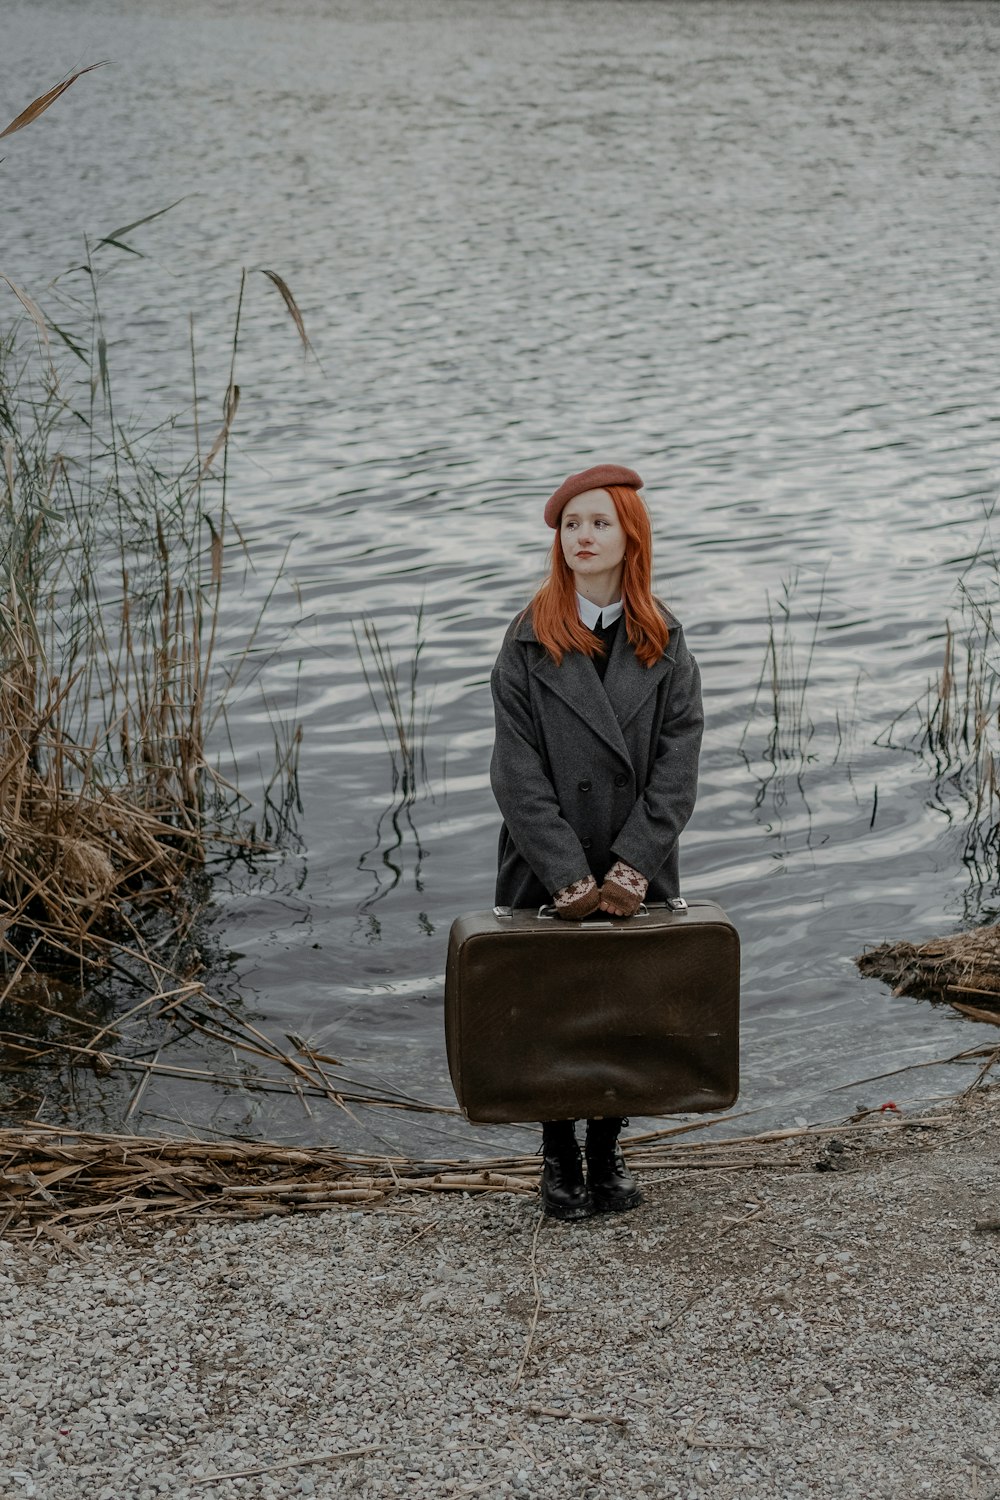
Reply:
x=776 y=1331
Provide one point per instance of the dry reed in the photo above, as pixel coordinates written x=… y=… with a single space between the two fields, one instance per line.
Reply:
x=38 y=106
x=178 y=1006
x=784 y=677
x=112 y=564
x=65 y=1183
x=395 y=704
x=781 y=741
x=965 y=966
x=954 y=725
x=956 y=732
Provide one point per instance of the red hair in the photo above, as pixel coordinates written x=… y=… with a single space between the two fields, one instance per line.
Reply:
x=554 y=612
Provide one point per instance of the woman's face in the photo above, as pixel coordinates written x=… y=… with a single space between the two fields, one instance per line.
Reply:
x=593 y=541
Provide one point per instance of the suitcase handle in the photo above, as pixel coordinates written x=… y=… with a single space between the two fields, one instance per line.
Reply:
x=548 y=913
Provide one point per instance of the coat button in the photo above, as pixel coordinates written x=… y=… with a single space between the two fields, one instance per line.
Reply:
x=585 y=843
x=584 y=786
x=621 y=779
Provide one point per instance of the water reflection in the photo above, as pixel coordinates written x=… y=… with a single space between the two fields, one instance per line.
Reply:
x=392 y=831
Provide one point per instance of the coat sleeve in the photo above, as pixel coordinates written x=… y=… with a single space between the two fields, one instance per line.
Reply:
x=521 y=784
x=667 y=801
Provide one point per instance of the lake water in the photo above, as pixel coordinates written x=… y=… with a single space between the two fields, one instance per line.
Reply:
x=748 y=249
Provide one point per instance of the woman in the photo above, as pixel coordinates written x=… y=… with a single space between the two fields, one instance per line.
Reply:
x=595 y=764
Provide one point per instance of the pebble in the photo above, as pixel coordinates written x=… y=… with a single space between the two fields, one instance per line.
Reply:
x=728 y=1349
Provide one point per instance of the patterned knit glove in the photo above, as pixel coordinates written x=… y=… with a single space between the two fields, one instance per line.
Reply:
x=577 y=900
x=624 y=888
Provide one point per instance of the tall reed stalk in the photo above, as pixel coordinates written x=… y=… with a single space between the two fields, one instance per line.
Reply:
x=780 y=703
x=956 y=728
x=395 y=701
x=111 y=592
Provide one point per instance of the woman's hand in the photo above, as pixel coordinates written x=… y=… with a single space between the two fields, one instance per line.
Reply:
x=623 y=890
x=577 y=900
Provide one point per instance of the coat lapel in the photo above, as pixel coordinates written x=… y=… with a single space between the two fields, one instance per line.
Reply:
x=606 y=708
x=627 y=683
x=576 y=682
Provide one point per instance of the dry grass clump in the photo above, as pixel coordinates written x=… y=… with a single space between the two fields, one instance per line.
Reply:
x=966 y=964
x=70 y=864
x=49 y=1178
x=75 y=850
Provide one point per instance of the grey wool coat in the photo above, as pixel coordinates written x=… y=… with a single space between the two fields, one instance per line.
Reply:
x=586 y=772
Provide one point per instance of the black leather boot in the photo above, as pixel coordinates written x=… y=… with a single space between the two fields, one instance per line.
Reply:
x=565 y=1194
x=612 y=1186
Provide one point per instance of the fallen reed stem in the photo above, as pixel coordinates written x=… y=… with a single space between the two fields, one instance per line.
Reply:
x=53 y=1176
x=286 y=1463
x=536 y=1309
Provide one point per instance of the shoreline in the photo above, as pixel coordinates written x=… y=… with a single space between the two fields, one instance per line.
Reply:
x=765 y=1328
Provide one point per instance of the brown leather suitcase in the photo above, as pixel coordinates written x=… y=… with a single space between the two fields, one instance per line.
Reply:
x=550 y=1020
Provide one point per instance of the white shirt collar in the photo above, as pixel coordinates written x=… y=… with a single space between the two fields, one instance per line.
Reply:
x=591 y=614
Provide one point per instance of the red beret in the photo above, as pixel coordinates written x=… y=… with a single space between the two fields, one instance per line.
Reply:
x=597 y=478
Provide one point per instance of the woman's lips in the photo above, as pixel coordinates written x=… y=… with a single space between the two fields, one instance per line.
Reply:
x=586 y=554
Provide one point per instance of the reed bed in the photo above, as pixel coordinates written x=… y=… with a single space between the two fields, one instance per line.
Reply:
x=111 y=576
x=66 y=1183
x=114 y=798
